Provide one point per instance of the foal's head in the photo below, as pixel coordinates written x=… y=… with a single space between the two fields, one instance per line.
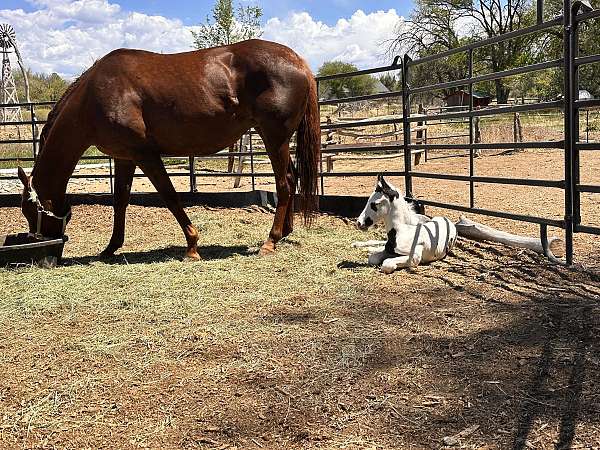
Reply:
x=379 y=203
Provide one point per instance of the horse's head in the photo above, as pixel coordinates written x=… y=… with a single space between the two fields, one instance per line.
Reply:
x=43 y=222
x=379 y=203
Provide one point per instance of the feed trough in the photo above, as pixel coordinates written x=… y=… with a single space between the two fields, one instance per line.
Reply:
x=23 y=248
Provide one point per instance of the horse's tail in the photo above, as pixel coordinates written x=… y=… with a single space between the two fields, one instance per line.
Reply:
x=308 y=154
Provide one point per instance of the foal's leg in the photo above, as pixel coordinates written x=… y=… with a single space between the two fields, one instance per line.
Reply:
x=400 y=262
x=154 y=169
x=124 y=171
x=367 y=244
x=377 y=258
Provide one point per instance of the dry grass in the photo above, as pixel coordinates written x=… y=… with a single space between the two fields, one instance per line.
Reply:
x=307 y=349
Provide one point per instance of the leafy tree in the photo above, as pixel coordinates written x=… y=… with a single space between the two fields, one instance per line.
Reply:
x=344 y=87
x=42 y=87
x=228 y=25
x=550 y=83
x=391 y=82
x=438 y=25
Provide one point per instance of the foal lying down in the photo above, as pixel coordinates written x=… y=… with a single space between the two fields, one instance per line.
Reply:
x=411 y=238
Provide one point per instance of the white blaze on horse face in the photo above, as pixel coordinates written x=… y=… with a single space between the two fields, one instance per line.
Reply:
x=376 y=208
x=33 y=197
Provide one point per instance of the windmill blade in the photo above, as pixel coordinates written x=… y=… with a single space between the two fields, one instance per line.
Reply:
x=7 y=36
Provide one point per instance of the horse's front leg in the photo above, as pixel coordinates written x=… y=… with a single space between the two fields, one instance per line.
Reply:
x=124 y=171
x=154 y=169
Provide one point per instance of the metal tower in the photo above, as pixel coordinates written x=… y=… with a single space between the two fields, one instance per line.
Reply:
x=8 y=89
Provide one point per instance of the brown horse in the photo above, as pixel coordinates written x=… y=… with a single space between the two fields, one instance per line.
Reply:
x=138 y=106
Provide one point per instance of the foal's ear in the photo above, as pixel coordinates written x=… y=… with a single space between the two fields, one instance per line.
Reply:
x=390 y=192
x=381 y=180
x=24 y=178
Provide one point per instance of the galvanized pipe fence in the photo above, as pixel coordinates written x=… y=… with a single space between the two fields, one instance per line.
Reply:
x=575 y=13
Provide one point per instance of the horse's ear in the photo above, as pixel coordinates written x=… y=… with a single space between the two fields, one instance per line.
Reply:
x=24 y=178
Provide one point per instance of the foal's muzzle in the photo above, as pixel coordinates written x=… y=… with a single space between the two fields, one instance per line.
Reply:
x=363 y=226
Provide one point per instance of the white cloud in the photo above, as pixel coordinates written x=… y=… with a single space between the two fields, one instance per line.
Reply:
x=67 y=36
x=360 y=39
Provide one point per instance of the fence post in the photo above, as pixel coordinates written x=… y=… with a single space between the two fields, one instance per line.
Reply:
x=576 y=126
x=420 y=125
x=251 y=147
x=569 y=69
x=406 y=127
x=110 y=175
x=320 y=137
x=517 y=130
x=33 y=131
x=192 y=166
x=471 y=132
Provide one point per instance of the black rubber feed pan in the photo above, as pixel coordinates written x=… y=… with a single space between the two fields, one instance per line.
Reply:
x=22 y=248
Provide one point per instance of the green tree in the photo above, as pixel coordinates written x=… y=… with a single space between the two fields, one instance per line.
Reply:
x=228 y=25
x=56 y=87
x=42 y=87
x=344 y=87
x=550 y=83
x=438 y=25
x=390 y=81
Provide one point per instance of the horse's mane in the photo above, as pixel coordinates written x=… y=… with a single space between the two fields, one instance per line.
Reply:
x=54 y=112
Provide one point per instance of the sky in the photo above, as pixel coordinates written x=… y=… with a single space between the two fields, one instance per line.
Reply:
x=67 y=36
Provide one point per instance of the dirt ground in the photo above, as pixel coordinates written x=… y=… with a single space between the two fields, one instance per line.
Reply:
x=491 y=348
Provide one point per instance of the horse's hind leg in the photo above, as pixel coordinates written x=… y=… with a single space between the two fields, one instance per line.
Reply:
x=154 y=169
x=288 y=223
x=124 y=171
x=280 y=160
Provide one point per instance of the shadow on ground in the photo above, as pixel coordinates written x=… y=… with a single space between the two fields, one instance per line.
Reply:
x=208 y=253
x=502 y=349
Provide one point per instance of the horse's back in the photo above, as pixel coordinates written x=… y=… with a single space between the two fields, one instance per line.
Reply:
x=195 y=102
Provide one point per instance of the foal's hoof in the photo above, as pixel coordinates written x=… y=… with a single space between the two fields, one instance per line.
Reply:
x=268 y=248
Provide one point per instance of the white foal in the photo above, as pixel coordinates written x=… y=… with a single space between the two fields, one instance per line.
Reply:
x=412 y=238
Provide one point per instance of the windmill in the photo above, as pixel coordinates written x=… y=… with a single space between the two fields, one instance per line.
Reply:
x=8 y=89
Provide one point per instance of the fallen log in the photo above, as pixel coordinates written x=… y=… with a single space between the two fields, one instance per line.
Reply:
x=478 y=232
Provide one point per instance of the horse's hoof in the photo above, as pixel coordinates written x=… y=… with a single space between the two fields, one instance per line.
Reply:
x=268 y=248
x=106 y=254
x=194 y=257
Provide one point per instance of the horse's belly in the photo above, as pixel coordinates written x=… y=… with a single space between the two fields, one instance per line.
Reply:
x=201 y=137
